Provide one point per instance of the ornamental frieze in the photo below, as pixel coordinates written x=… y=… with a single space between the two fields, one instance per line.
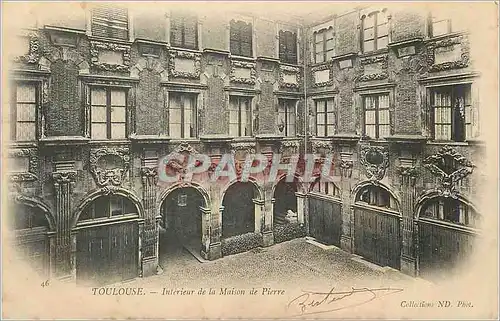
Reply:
x=450 y=167
x=322 y=75
x=374 y=68
x=319 y=146
x=289 y=77
x=110 y=56
x=109 y=165
x=456 y=48
x=248 y=147
x=29 y=173
x=34 y=52
x=290 y=146
x=243 y=72
x=183 y=64
x=375 y=159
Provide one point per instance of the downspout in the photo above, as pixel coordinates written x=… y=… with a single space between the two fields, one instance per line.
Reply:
x=306 y=105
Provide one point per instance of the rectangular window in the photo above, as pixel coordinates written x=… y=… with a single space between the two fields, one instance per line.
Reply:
x=286 y=117
x=452 y=112
x=240 y=116
x=375 y=33
x=325 y=117
x=23 y=112
x=184 y=31
x=377 y=115
x=110 y=22
x=182 y=115
x=240 y=38
x=324 y=45
x=108 y=113
x=288 y=47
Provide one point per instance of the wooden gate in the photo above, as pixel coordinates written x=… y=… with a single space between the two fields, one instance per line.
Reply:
x=107 y=254
x=377 y=236
x=442 y=246
x=325 y=220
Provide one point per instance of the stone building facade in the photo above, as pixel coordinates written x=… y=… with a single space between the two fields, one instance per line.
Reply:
x=99 y=100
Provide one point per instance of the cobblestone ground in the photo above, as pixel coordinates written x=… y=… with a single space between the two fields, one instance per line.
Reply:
x=292 y=262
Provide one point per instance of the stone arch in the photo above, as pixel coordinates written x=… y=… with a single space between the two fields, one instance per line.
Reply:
x=92 y=196
x=434 y=194
x=300 y=183
x=37 y=203
x=359 y=186
x=251 y=180
x=204 y=194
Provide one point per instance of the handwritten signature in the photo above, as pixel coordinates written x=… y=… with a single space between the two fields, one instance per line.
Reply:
x=310 y=302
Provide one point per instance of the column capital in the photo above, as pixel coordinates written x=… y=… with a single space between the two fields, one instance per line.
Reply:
x=64 y=177
x=258 y=202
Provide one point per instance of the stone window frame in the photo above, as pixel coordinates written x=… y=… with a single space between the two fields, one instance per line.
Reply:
x=360 y=93
x=294 y=102
x=317 y=98
x=324 y=31
x=196 y=98
x=37 y=83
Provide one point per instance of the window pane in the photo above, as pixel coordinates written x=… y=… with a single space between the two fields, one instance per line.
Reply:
x=439 y=28
x=246 y=49
x=174 y=116
x=330 y=130
x=320 y=118
x=368 y=46
x=368 y=21
x=330 y=54
x=329 y=33
x=330 y=119
x=187 y=122
x=98 y=97
x=370 y=102
x=26 y=93
x=233 y=130
x=99 y=131
x=117 y=131
x=98 y=114
x=25 y=131
x=116 y=205
x=384 y=101
x=329 y=105
x=118 y=114
x=330 y=44
x=383 y=30
x=319 y=57
x=233 y=116
x=370 y=131
x=370 y=117
x=320 y=130
x=382 y=42
x=320 y=106
x=384 y=130
x=319 y=47
x=118 y=98
x=383 y=117
x=26 y=112
x=318 y=37
x=368 y=34
x=175 y=130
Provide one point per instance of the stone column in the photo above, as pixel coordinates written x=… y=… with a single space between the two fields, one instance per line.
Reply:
x=301 y=200
x=205 y=231
x=408 y=259
x=150 y=237
x=346 y=239
x=64 y=182
x=259 y=215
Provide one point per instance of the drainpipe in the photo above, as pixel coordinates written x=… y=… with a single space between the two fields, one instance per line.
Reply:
x=306 y=105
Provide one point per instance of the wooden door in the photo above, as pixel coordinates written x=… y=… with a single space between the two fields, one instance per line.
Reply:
x=377 y=237
x=442 y=248
x=107 y=254
x=325 y=221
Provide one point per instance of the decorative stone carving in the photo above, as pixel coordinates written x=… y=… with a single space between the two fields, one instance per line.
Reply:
x=248 y=147
x=64 y=177
x=320 y=68
x=291 y=146
x=109 y=166
x=34 y=54
x=408 y=174
x=289 y=77
x=243 y=72
x=178 y=70
x=318 y=145
x=30 y=173
x=185 y=148
x=97 y=47
x=375 y=159
x=149 y=175
x=377 y=61
x=449 y=42
x=448 y=175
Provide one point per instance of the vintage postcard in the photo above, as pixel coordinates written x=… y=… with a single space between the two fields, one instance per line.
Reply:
x=255 y=160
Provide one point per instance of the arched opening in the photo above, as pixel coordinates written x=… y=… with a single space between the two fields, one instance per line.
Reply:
x=325 y=212
x=285 y=203
x=181 y=224
x=239 y=209
x=107 y=241
x=377 y=226
x=31 y=243
x=446 y=234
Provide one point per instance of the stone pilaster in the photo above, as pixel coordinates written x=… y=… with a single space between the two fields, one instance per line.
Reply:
x=259 y=215
x=346 y=238
x=150 y=231
x=301 y=201
x=408 y=259
x=64 y=182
